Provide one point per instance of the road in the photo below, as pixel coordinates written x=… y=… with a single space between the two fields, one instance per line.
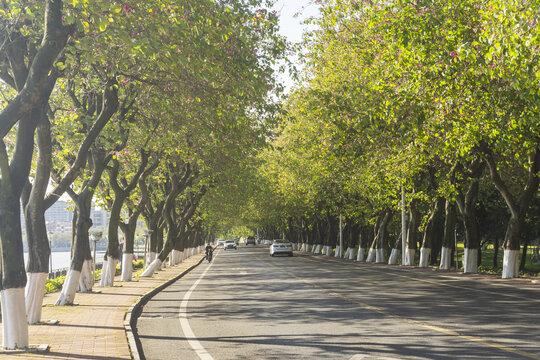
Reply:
x=248 y=305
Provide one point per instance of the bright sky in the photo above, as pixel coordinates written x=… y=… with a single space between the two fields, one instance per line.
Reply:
x=292 y=14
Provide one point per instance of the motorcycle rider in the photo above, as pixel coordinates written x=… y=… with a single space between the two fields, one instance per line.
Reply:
x=209 y=250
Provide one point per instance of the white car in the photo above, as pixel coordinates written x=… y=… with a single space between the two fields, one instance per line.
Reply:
x=281 y=247
x=229 y=245
x=221 y=242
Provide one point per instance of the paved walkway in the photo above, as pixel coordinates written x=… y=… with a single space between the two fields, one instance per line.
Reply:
x=93 y=328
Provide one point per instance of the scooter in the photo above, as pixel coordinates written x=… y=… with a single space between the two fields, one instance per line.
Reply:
x=209 y=256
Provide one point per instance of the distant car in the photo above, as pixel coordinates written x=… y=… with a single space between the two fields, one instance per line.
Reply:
x=229 y=245
x=281 y=247
x=250 y=240
x=221 y=242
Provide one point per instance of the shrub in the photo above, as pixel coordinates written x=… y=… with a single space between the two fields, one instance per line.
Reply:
x=54 y=285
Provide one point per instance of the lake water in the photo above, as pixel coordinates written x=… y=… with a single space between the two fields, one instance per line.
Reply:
x=61 y=259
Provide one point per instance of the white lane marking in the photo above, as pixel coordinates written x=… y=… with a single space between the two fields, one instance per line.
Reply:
x=188 y=332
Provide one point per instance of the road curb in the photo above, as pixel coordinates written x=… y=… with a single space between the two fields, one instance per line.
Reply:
x=130 y=320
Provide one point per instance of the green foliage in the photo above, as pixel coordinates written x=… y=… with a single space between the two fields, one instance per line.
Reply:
x=54 y=285
x=138 y=264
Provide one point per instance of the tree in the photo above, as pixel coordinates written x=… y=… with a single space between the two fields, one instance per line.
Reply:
x=32 y=66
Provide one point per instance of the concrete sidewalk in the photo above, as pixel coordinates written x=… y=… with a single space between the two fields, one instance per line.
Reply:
x=93 y=328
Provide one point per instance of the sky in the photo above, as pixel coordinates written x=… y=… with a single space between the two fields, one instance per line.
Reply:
x=292 y=13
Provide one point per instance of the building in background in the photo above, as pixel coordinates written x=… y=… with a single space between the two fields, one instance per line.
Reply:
x=59 y=217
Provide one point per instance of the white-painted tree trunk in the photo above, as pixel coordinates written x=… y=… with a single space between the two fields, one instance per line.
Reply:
x=328 y=251
x=409 y=256
x=35 y=291
x=150 y=257
x=104 y=269
x=346 y=256
x=392 y=260
x=351 y=254
x=379 y=256
x=371 y=256
x=85 y=280
x=510 y=264
x=470 y=261
x=69 y=289
x=149 y=271
x=172 y=257
x=446 y=254
x=179 y=257
x=110 y=273
x=14 y=325
x=338 y=251
x=425 y=254
x=127 y=266
x=361 y=255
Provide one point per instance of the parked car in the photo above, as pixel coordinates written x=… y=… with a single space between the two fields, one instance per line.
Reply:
x=281 y=247
x=250 y=240
x=229 y=245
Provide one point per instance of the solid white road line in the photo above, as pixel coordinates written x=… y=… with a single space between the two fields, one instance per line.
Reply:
x=188 y=333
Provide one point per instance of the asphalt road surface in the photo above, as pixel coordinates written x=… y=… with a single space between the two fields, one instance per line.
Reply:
x=248 y=305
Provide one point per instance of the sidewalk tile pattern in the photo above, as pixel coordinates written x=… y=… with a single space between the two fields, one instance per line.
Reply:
x=93 y=328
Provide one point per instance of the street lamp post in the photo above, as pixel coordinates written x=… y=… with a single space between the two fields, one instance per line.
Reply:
x=95 y=238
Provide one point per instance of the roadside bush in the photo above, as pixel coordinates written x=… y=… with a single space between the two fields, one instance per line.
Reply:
x=54 y=285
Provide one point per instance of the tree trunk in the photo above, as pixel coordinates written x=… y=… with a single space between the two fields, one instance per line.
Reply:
x=496 y=253
x=518 y=210
x=80 y=250
x=412 y=234
x=113 y=244
x=524 y=255
x=81 y=257
x=36 y=229
x=396 y=250
x=430 y=231
x=470 y=223
x=381 y=237
x=129 y=244
x=448 y=236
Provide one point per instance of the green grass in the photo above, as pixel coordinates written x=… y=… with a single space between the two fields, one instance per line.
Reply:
x=532 y=268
